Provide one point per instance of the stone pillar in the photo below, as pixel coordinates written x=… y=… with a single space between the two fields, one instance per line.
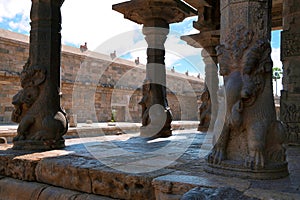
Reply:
x=156 y=116
x=250 y=142
x=208 y=40
x=212 y=82
x=208 y=24
x=42 y=122
x=290 y=57
x=156 y=17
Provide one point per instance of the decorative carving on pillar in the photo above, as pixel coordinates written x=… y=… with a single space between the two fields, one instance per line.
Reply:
x=42 y=122
x=290 y=44
x=290 y=57
x=290 y=112
x=146 y=102
x=250 y=143
x=205 y=111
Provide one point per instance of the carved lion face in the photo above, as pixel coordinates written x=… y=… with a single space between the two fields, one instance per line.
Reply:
x=29 y=95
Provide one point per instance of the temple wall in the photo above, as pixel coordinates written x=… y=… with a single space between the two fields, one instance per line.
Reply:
x=92 y=85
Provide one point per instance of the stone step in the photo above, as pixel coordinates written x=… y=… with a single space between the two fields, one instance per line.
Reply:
x=38 y=191
x=94 y=168
x=77 y=173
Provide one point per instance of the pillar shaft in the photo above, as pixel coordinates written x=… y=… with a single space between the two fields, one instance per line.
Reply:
x=45 y=40
x=156 y=116
x=42 y=123
x=211 y=80
x=290 y=57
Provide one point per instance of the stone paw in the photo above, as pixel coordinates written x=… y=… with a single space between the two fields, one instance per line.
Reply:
x=216 y=156
x=278 y=155
x=255 y=160
x=37 y=137
x=18 y=138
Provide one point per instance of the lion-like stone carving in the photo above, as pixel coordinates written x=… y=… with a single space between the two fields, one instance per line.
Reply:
x=41 y=122
x=251 y=138
x=205 y=110
x=156 y=115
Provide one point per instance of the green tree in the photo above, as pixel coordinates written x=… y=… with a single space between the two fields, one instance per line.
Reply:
x=277 y=74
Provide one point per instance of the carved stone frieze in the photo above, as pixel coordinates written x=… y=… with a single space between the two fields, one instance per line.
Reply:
x=290 y=112
x=290 y=44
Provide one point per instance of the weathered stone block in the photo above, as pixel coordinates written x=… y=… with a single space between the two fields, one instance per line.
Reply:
x=17 y=167
x=69 y=172
x=14 y=189
x=110 y=182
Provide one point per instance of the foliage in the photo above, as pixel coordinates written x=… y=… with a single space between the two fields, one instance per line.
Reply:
x=277 y=73
x=113 y=114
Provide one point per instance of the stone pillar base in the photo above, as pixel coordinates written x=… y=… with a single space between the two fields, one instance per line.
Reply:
x=38 y=145
x=237 y=169
x=150 y=132
x=202 y=128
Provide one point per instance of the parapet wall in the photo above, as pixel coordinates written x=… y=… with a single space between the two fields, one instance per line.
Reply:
x=93 y=84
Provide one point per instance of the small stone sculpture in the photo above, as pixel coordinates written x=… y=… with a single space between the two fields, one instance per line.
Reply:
x=146 y=102
x=205 y=110
x=41 y=126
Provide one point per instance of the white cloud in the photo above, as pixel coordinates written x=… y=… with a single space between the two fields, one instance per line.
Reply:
x=10 y=8
x=92 y=21
x=20 y=26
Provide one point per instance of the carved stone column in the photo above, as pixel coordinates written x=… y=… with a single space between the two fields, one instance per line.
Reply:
x=208 y=110
x=42 y=123
x=290 y=57
x=156 y=116
x=208 y=24
x=156 y=15
x=212 y=81
x=250 y=142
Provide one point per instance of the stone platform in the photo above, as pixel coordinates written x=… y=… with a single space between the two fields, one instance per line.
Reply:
x=103 y=128
x=128 y=167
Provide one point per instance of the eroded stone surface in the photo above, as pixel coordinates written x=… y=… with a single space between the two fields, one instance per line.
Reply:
x=271 y=194
x=12 y=189
x=16 y=189
x=68 y=171
x=215 y=194
x=179 y=184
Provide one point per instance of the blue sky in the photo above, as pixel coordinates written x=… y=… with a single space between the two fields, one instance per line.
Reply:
x=97 y=31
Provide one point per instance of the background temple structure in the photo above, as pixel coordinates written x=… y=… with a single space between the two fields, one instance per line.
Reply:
x=124 y=99
x=240 y=150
